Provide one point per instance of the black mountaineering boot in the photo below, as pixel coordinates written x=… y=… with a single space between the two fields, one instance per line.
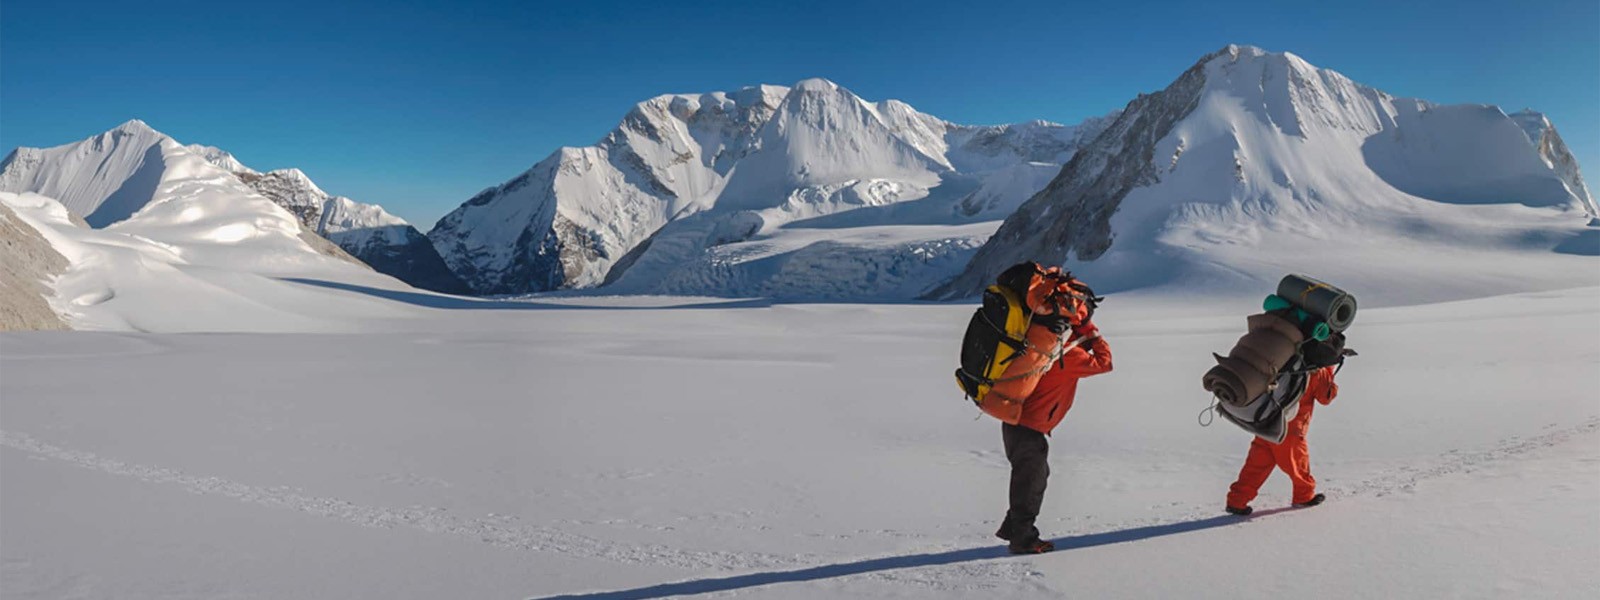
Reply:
x=1034 y=546
x=1315 y=500
x=1239 y=511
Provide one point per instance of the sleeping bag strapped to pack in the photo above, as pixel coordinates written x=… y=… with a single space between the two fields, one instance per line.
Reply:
x=1016 y=335
x=1300 y=321
x=1267 y=415
x=1252 y=366
x=1258 y=385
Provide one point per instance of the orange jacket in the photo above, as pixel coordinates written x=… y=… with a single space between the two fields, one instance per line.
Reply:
x=1320 y=389
x=1050 y=401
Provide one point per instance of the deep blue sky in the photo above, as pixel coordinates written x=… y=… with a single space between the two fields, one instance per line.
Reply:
x=418 y=105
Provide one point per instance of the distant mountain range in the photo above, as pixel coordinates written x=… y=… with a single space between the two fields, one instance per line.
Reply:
x=1223 y=179
x=1250 y=164
x=749 y=192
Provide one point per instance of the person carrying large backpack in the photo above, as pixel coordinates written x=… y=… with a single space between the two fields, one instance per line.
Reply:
x=1274 y=378
x=1292 y=455
x=1023 y=355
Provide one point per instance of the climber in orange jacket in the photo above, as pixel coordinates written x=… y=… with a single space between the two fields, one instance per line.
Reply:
x=1028 y=450
x=1291 y=455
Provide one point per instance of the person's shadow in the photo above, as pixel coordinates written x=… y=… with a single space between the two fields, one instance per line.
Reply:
x=932 y=559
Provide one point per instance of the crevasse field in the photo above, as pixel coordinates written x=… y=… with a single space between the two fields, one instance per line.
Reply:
x=643 y=448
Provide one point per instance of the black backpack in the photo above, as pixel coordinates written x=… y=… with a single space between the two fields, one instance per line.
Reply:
x=995 y=336
x=1325 y=353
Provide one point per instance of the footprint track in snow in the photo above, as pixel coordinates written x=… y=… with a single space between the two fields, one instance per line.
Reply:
x=507 y=532
x=497 y=530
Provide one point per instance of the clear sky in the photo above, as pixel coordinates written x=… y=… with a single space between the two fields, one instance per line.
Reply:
x=419 y=105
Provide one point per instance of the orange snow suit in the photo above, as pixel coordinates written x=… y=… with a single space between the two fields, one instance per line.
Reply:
x=1291 y=456
x=1050 y=401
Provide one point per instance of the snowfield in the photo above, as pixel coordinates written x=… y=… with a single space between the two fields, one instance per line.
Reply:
x=626 y=448
x=253 y=410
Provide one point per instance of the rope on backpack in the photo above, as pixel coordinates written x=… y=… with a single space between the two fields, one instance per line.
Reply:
x=1061 y=349
x=1212 y=410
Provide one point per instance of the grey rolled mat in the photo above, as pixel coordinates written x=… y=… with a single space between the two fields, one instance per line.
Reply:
x=1336 y=307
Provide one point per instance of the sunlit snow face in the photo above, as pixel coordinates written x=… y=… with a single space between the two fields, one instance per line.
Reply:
x=191 y=214
x=228 y=234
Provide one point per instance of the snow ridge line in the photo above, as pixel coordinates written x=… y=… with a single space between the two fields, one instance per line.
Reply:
x=496 y=530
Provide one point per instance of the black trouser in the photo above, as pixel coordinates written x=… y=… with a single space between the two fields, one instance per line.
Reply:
x=1028 y=451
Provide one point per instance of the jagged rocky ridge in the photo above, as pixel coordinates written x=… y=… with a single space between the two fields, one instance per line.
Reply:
x=383 y=241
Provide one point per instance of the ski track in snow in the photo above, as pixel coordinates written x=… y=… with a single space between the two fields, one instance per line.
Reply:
x=505 y=531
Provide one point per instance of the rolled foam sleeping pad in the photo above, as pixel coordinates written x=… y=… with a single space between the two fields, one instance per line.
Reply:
x=1318 y=329
x=1336 y=307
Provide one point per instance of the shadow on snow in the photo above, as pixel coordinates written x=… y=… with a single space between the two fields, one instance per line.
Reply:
x=890 y=563
x=435 y=300
x=441 y=301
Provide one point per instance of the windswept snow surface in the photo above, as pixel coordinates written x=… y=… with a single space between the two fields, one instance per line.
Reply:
x=618 y=450
x=205 y=260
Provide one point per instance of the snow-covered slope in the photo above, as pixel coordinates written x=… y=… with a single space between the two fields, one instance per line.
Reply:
x=726 y=168
x=1255 y=163
x=566 y=220
x=112 y=176
x=385 y=242
x=1555 y=154
x=104 y=179
x=207 y=258
x=109 y=179
x=183 y=244
x=221 y=158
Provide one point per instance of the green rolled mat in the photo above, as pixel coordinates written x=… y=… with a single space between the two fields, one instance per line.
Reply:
x=1320 y=332
x=1336 y=307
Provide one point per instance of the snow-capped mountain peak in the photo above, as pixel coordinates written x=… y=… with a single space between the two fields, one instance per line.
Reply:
x=133 y=178
x=822 y=134
x=221 y=158
x=1252 y=163
x=1553 y=151
x=732 y=165
x=105 y=178
x=133 y=127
